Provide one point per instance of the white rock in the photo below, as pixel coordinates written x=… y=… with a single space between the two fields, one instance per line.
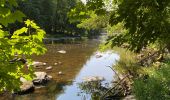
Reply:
x=49 y=68
x=62 y=51
x=44 y=64
x=40 y=78
x=23 y=79
x=40 y=75
x=26 y=85
x=36 y=63
x=60 y=73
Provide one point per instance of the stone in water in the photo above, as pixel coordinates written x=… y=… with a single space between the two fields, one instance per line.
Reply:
x=50 y=67
x=62 y=51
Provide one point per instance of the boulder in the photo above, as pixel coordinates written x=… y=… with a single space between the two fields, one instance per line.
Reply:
x=26 y=87
x=40 y=78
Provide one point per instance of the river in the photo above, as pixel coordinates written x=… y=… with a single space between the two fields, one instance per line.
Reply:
x=81 y=60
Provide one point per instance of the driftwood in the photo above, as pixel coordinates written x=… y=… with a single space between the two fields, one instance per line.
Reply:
x=122 y=81
x=113 y=88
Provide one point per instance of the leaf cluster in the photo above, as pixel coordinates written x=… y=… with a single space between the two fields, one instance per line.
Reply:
x=17 y=47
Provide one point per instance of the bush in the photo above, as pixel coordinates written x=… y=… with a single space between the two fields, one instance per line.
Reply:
x=156 y=86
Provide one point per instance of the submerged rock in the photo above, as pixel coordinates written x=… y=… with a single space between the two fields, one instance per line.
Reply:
x=55 y=63
x=36 y=64
x=41 y=78
x=62 y=51
x=98 y=56
x=58 y=63
x=93 y=78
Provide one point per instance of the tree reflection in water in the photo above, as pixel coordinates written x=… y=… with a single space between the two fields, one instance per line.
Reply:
x=94 y=89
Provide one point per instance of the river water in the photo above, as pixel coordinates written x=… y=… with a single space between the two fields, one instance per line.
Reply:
x=80 y=60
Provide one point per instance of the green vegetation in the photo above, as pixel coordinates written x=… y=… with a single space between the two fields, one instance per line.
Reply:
x=141 y=26
x=16 y=44
x=52 y=16
x=155 y=86
x=145 y=22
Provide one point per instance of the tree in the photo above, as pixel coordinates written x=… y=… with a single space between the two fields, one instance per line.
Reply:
x=16 y=45
x=146 y=21
x=51 y=15
x=87 y=19
x=41 y=11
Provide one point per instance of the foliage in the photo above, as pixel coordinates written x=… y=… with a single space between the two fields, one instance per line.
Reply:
x=51 y=15
x=140 y=23
x=94 y=22
x=155 y=86
x=88 y=19
x=127 y=62
x=116 y=29
x=16 y=46
x=145 y=21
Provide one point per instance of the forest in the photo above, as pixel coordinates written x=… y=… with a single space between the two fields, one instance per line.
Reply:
x=122 y=51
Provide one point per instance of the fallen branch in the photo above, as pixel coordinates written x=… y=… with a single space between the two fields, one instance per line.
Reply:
x=103 y=96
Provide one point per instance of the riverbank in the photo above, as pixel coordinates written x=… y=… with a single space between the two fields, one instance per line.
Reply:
x=140 y=74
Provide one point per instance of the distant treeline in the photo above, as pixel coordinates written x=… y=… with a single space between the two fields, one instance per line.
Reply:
x=51 y=15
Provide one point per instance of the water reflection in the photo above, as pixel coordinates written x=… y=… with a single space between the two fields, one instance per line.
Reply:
x=92 y=90
x=93 y=67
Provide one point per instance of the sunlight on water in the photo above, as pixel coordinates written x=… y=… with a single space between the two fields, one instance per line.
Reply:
x=93 y=67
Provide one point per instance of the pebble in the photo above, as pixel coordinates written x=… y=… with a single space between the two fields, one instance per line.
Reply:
x=62 y=51
x=60 y=73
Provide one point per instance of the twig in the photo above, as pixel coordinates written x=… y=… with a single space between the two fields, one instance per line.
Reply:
x=113 y=87
x=114 y=72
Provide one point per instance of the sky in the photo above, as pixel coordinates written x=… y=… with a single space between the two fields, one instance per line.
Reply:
x=84 y=1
